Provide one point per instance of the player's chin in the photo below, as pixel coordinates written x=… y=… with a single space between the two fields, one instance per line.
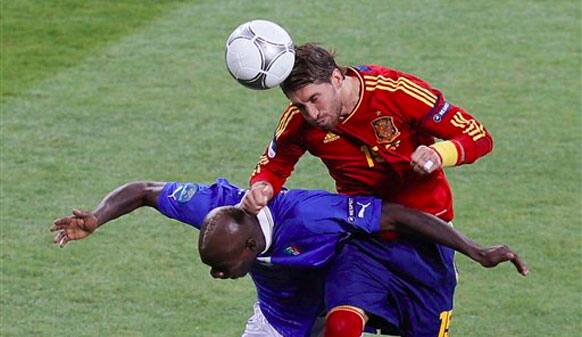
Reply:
x=326 y=126
x=237 y=276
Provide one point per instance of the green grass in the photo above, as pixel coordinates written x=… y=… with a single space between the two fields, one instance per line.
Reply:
x=100 y=93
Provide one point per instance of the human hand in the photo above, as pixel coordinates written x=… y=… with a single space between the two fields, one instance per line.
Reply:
x=425 y=160
x=257 y=197
x=492 y=256
x=73 y=227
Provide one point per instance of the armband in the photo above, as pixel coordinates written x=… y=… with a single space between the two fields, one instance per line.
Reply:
x=447 y=151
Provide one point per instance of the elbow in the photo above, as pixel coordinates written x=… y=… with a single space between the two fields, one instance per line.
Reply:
x=390 y=220
x=491 y=143
x=144 y=191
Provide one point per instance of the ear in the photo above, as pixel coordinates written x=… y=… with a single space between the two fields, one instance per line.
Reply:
x=337 y=78
x=252 y=245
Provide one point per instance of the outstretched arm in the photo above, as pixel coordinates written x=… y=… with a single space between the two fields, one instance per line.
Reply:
x=124 y=199
x=405 y=220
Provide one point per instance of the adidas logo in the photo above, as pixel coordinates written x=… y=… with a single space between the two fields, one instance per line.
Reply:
x=330 y=137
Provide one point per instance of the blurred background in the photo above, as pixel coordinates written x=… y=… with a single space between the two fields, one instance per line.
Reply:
x=98 y=93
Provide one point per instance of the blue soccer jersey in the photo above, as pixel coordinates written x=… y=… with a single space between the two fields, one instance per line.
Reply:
x=305 y=226
x=189 y=202
x=302 y=230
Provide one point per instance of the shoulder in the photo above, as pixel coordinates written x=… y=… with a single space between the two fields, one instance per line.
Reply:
x=290 y=121
x=393 y=84
x=374 y=70
x=190 y=202
x=378 y=72
x=388 y=79
x=188 y=192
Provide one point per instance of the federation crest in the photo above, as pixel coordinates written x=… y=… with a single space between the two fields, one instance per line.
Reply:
x=385 y=130
x=292 y=250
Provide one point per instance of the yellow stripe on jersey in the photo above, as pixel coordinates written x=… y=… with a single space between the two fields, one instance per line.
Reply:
x=285 y=119
x=471 y=127
x=403 y=89
x=405 y=85
x=262 y=161
x=458 y=117
x=413 y=86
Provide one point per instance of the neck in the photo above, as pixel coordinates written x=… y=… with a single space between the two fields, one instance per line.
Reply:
x=351 y=94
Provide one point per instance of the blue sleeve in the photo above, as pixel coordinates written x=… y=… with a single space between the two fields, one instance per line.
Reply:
x=189 y=202
x=324 y=212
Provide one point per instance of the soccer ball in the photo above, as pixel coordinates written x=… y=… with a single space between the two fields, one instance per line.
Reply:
x=259 y=54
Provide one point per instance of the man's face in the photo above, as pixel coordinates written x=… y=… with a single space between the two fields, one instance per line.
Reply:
x=234 y=266
x=320 y=103
x=228 y=242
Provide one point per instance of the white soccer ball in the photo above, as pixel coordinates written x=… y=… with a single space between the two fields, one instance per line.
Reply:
x=259 y=54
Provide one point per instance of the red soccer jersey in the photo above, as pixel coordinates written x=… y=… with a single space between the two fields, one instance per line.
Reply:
x=369 y=151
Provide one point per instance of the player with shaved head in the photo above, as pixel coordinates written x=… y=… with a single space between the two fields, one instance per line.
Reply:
x=290 y=246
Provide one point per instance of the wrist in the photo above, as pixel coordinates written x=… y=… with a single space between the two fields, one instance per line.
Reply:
x=261 y=184
x=99 y=219
x=476 y=253
x=447 y=151
x=265 y=186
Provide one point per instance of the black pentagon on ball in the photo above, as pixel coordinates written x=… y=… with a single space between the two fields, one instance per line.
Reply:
x=257 y=83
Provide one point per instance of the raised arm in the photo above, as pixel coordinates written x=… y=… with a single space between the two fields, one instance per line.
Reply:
x=277 y=162
x=405 y=220
x=123 y=200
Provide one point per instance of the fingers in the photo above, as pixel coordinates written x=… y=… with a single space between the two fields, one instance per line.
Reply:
x=65 y=226
x=502 y=253
x=61 y=223
x=256 y=198
x=425 y=160
x=247 y=204
x=68 y=221
x=520 y=265
x=267 y=192
x=61 y=238
x=262 y=193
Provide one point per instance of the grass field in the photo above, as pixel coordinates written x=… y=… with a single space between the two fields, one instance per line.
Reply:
x=100 y=93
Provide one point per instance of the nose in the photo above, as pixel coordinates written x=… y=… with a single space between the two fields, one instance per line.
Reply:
x=217 y=274
x=312 y=112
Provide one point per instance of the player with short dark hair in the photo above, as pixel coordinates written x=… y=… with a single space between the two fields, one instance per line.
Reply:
x=375 y=129
x=288 y=246
x=313 y=64
x=378 y=130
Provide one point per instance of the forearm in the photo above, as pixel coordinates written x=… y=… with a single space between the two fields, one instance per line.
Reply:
x=409 y=221
x=464 y=138
x=125 y=199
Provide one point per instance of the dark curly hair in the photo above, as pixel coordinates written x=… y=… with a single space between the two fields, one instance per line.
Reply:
x=313 y=64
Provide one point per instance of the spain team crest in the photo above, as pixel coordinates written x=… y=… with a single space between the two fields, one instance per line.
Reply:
x=385 y=130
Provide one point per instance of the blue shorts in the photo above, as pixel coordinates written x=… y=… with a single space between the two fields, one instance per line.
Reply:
x=405 y=286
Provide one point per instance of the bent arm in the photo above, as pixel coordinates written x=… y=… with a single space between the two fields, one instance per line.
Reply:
x=408 y=221
x=118 y=202
x=127 y=198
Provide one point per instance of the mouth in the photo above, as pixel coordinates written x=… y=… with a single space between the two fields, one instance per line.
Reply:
x=324 y=126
